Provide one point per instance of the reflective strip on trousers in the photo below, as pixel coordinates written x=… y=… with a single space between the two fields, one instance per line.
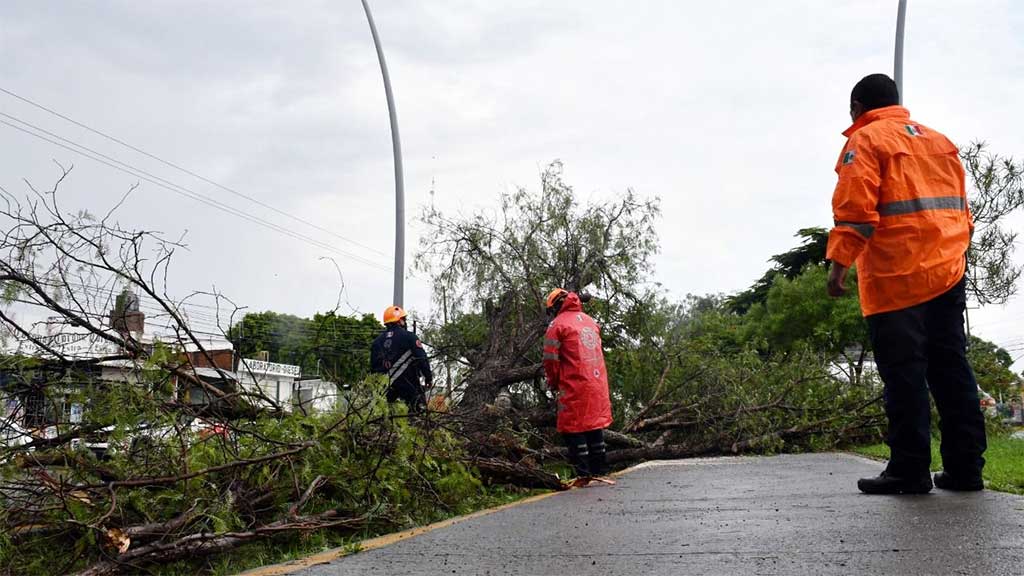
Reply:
x=922 y=204
x=551 y=356
x=865 y=230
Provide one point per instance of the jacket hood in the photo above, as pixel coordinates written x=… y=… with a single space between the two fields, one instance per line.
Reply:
x=572 y=303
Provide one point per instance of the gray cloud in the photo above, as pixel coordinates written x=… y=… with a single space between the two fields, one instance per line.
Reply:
x=730 y=112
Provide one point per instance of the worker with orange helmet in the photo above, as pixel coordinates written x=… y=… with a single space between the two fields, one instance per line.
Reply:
x=574 y=367
x=398 y=353
x=901 y=215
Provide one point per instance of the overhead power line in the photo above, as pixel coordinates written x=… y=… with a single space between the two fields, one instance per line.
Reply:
x=178 y=189
x=170 y=164
x=196 y=313
x=199 y=315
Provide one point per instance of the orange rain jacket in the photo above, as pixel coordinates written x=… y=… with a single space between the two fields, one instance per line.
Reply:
x=574 y=365
x=900 y=211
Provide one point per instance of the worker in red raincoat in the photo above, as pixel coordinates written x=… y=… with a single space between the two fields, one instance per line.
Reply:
x=574 y=366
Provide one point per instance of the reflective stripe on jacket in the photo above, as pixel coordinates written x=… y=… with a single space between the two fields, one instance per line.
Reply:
x=574 y=365
x=900 y=210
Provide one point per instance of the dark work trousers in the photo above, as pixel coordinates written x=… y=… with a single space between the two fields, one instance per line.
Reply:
x=587 y=453
x=920 y=348
x=411 y=394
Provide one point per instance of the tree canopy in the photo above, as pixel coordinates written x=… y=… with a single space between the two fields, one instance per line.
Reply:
x=997 y=190
x=330 y=345
x=491 y=273
x=789 y=265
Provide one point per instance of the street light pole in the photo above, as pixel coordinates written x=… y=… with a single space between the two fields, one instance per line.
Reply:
x=901 y=21
x=396 y=149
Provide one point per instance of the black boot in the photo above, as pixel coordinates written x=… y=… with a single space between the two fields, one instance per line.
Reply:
x=947 y=481
x=886 y=483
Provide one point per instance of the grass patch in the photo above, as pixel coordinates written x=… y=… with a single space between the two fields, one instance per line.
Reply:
x=1004 y=461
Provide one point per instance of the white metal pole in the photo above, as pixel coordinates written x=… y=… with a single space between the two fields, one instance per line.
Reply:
x=901 y=21
x=396 y=149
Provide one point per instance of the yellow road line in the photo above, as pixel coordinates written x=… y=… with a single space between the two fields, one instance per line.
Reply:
x=388 y=539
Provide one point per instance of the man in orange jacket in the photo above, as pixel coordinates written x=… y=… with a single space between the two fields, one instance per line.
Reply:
x=901 y=215
x=574 y=366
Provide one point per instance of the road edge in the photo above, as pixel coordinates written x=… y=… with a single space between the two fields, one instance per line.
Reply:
x=333 y=554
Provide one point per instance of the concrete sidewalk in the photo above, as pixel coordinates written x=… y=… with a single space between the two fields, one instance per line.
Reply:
x=785 y=515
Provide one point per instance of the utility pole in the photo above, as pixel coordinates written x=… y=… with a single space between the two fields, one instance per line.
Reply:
x=967 y=321
x=901 y=23
x=447 y=366
x=396 y=150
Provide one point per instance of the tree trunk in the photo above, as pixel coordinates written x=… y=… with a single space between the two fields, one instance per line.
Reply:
x=487 y=382
x=501 y=471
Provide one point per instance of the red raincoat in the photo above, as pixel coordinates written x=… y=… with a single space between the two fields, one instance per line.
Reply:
x=574 y=365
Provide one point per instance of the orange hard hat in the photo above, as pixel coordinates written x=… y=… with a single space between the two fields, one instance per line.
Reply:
x=393 y=314
x=553 y=296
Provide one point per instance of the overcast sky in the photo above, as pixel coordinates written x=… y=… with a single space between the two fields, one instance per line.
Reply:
x=730 y=112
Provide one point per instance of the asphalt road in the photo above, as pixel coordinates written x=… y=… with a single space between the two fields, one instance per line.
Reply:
x=785 y=515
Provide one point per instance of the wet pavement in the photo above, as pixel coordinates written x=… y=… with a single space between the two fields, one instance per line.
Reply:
x=784 y=515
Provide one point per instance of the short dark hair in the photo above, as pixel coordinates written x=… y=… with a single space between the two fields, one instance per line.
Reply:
x=876 y=91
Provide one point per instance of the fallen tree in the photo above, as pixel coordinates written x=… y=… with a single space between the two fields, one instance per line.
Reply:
x=187 y=482
x=129 y=452
x=491 y=272
x=689 y=378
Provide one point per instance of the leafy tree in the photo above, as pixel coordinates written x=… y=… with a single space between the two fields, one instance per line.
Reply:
x=789 y=264
x=341 y=345
x=703 y=382
x=336 y=347
x=145 y=480
x=798 y=313
x=500 y=266
x=997 y=184
x=283 y=336
x=686 y=378
x=673 y=348
x=991 y=365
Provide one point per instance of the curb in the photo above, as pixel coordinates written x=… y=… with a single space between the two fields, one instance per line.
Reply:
x=333 y=554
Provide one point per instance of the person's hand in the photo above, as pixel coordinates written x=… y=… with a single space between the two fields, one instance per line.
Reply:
x=837 y=280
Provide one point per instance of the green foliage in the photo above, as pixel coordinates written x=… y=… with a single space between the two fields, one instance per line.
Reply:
x=991 y=366
x=705 y=378
x=9 y=291
x=341 y=344
x=997 y=190
x=284 y=336
x=786 y=265
x=781 y=366
x=797 y=311
x=543 y=239
x=490 y=265
x=373 y=462
x=337 y=347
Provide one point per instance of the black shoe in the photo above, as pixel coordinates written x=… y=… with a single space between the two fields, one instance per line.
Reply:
x=886 y=483
x=947 y=481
